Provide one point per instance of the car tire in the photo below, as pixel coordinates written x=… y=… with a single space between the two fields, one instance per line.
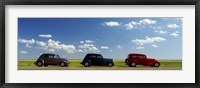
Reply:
x=39 y=63
x=110 y=64
x=157 y=64
x=87 y=64
x=62 y=64
x=133 y=64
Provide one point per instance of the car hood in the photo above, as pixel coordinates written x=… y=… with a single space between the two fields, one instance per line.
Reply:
x=108 y=59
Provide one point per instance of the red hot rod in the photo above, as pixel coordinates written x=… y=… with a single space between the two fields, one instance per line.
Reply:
x=134 y=59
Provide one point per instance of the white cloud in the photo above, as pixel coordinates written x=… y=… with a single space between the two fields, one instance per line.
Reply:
x=112 y=23
x=89 y=41
x=43 y=47
x=153 y=45
x=68 y=48
x=40 y=43
x=155 y=27
x=51 y=50
x=148 y=40
x=179 y=18
x=23 y=52
x=54 y=44
x=174 y=34
x=32 y=41
x=104 y=47
x=118 y=46
x=147 y=21
x=82 y=42
x=79 y=50
x=86 y=45
x=45 y=35
x=28 y=46
x=94 y=49
x=173 y=26
x=161 y=32
x=139 y=47
x=57 y=45
x=131 y=25
x=90 y=47
x=176 y=31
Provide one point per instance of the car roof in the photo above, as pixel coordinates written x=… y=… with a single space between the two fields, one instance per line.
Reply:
x=136 y=54
x=93 y=54
x=49 y=54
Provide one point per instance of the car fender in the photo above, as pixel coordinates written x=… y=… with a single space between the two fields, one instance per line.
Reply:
x=38 y=61
x=156 y=62
x=88 y=61
x=109 y=62
x=126 y=61
x=61 y=62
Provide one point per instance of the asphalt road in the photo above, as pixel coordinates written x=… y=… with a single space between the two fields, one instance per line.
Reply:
x=98 y=68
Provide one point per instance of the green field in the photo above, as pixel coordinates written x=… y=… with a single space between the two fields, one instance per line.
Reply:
x=118 y=63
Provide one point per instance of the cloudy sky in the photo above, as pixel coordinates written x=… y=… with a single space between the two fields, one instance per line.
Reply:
x=73 y=38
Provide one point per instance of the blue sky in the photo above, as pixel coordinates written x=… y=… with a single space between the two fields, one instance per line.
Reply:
x=73 y=38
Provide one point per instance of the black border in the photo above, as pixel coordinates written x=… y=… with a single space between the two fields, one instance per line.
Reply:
x=98 y=2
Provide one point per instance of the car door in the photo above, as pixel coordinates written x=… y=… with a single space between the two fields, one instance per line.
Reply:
x=143 y=59
x=56 y=59
x=93 y=59
x=50 y=59
x=100 y=60
x=46 y=59
x=138 y=59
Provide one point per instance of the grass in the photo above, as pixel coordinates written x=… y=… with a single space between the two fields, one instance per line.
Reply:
x=26 y=62
x=119 y=63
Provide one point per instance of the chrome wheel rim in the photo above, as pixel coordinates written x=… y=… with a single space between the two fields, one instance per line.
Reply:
x=62 y=64
x=156 y=64
x=86 y=63
x=39 y=63
x=133 y=64
x=109 y=64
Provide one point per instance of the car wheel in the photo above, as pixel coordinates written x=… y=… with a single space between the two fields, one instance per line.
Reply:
x=156 y=64
x=87 y=64
x=62 y=64
x=39 y=63
x=109 y=64
x=133 y=64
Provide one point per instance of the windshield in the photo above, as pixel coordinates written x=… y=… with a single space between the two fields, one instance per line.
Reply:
x=99 y=56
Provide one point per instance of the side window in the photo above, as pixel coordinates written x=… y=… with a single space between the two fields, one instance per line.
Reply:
x=134 y=57
x=50 y=56
x=142 y=57
x=56 y=57
x=92 y=56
